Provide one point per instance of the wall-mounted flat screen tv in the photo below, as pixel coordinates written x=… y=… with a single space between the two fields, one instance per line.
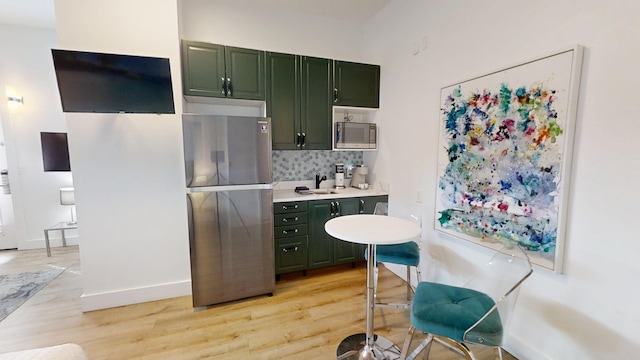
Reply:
x=112 y=83
x=55 y=151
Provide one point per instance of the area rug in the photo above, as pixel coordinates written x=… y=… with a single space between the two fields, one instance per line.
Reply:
x=15 y=289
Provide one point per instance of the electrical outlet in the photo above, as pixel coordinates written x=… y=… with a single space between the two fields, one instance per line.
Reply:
x=349 y=171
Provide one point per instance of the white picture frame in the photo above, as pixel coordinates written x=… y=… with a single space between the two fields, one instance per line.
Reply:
x=505 y=151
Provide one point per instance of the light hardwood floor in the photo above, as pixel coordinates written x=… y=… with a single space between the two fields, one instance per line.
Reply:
x=306 y=319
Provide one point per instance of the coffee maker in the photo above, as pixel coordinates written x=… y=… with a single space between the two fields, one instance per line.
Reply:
x=359 y=177
x=339 y=176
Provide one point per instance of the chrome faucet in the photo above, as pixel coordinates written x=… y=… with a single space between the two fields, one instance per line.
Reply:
x=319 y=180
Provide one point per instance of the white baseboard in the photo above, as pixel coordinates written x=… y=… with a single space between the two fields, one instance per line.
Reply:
x=53 y=242
x=523 y=350
x=91 y=302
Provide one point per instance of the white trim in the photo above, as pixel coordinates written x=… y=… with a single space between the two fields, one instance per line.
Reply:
x=91 y=302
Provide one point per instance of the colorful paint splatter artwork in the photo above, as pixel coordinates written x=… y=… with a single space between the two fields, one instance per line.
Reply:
x=501 y=180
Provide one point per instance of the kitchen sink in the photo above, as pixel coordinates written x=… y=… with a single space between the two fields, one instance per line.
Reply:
x=325 y=191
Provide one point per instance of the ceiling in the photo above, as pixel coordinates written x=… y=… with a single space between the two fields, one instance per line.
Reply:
x=41 y=13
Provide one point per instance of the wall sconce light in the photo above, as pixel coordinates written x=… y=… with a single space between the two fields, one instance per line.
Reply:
x=16 y=99
x=13 y=99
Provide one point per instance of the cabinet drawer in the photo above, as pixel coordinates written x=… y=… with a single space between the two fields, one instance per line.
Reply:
x=290 y=231
x=289 y=207
x=289 y=219
x=291 y=254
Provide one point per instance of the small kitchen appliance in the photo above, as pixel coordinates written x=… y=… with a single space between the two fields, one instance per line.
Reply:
x=339 y=176
x=359 y=177
x=356 y=136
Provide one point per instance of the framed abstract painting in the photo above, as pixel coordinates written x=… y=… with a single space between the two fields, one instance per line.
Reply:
x=504 y=159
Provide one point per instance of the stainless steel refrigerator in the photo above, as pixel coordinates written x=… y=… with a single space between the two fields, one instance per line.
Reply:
x=230 y=207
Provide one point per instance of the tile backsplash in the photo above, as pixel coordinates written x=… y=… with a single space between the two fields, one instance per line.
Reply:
x=296 y=165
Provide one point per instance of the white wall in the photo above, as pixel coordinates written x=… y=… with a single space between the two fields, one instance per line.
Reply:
x=26 y=67
x=590 y=311
x=128 y=169
x=235 y=23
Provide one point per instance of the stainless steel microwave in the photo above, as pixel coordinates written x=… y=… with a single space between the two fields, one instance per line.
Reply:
x=357 y=136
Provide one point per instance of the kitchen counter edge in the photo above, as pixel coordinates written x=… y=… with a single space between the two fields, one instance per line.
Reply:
x=286 y=195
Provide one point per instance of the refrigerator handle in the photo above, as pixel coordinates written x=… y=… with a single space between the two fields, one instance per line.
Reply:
x=190 y=221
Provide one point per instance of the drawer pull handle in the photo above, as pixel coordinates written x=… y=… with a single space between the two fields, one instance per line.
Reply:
x=288 y=231
x=285 y=207
x=290 y=249
x=290 y=219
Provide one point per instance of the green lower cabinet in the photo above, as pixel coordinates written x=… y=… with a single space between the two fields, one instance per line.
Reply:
x=368 y=204
x=320 y=244
x=290 y=236
x=301 y=242
x=345 y=251
x=324 y=249
x=291 y=254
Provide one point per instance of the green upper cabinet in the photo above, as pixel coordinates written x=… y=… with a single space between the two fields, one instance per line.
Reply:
x=283 y=100
x=222 y=71
x=245 y=73
x=356 y=84
x=203 y=69
x=299 y=101
x=316 y=107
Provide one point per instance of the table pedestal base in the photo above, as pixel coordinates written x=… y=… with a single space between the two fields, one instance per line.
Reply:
x=354 y=347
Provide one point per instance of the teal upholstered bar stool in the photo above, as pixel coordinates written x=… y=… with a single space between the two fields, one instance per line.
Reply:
x=476 y=312
x=407 y=254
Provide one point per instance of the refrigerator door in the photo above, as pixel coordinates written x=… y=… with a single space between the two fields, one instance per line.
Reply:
x=231 y=244
x=226 y=150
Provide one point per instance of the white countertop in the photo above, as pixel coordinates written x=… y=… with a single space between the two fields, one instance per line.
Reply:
x=283 y=192
x=372 y=229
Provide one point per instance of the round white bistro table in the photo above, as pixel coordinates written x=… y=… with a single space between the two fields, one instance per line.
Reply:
x=371 y=230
